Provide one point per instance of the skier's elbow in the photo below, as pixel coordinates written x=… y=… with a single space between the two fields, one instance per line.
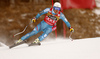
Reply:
x=68 y=24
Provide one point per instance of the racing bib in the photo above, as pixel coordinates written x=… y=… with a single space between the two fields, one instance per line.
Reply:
x=50 y=18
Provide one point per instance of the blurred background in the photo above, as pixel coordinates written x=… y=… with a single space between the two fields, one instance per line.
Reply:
x=16 y=14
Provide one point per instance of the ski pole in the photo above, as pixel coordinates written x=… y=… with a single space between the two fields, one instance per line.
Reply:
x=70 y=36
x=23 y=30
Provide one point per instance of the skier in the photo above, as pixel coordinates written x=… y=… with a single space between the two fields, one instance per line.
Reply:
x=48 y=24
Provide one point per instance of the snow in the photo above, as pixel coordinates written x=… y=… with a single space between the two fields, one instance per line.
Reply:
x=98 y=3
x=10 y=20
x=98 y=20
x=82 y=12
x=97 y=31
x=97 y=11
x=3 y=44
x=88 y=48
x=23 y=16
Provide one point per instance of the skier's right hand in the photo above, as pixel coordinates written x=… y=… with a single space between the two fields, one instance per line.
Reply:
x=33 y=20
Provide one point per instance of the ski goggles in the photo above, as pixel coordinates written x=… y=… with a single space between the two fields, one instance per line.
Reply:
x=57 y=8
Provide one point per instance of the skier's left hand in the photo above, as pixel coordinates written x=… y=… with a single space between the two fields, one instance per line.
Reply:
x=71 y=29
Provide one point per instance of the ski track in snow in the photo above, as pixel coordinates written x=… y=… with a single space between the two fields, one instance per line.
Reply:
x=88 y=48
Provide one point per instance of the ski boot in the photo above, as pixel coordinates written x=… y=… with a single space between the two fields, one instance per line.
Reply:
x=21 y=41
x=36 y=42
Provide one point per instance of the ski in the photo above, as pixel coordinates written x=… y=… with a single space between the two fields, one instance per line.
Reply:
x=17 y=44
x=33 y=44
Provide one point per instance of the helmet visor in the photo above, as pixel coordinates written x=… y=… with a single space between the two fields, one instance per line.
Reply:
x=57 y=8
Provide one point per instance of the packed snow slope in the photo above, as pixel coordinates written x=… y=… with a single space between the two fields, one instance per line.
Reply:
x=56 y=49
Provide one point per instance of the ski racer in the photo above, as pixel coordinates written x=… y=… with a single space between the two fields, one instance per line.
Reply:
x=48 y=24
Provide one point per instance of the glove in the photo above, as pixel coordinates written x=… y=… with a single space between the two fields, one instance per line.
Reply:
x=71 y=29
x=33 y=20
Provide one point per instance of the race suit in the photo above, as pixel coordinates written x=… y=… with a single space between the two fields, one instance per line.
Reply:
x=48 y=24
